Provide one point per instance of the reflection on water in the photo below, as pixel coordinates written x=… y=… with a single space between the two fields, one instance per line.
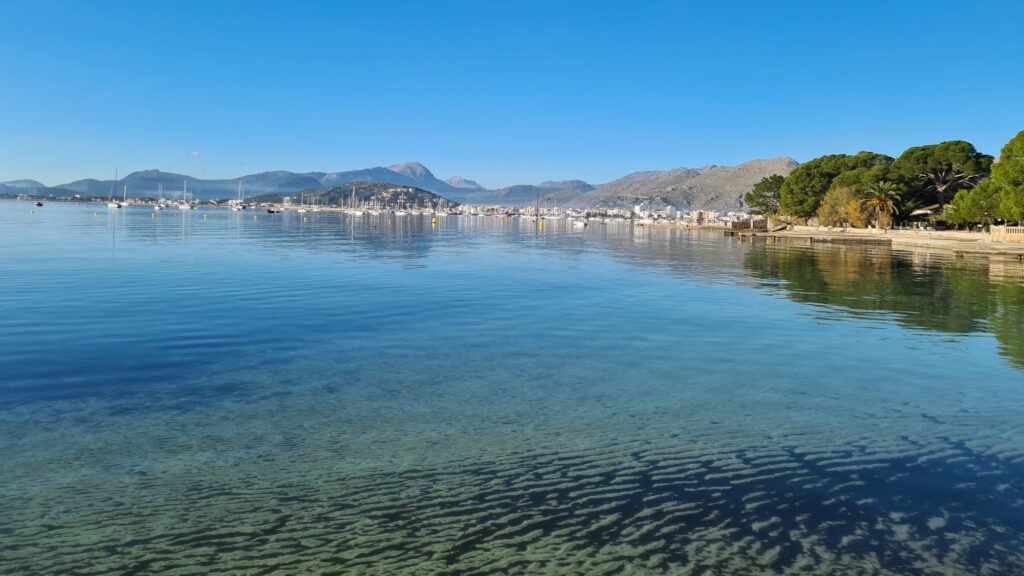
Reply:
x=243 y=393
x=920 y=290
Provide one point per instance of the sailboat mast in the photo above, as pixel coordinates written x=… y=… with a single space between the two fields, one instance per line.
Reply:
x=113 y=187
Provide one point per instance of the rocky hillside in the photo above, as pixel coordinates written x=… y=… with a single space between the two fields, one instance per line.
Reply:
x=711 y=187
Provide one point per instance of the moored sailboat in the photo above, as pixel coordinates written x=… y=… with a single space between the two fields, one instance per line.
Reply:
x=113 y=187
x=184 y=205
x=240 y=203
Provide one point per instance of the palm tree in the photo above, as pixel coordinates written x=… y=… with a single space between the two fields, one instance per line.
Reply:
x=882 y=200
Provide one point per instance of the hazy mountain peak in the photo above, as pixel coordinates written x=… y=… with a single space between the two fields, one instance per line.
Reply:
x=23 y=184
x=412 y=170
x=274 y=174
x=782 y=163
x=464 y=183
x=562 y=184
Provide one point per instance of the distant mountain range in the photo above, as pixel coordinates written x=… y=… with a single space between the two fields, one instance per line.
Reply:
x=147 y=182
x=710 y=187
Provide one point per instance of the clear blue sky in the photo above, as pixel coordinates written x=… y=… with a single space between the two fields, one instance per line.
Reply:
x=502 y=92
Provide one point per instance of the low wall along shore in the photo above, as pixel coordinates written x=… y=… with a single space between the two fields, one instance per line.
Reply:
x=997 y=234
x=1008 y=233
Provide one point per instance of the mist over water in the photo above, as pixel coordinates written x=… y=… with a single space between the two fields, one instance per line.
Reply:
x=235 y=392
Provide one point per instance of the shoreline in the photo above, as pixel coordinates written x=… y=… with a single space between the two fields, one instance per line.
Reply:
x=956 y=242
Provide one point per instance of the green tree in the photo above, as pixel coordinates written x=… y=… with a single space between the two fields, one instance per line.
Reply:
x=803 y=190
x=1011 y=205
x=934 y=173
x=977 y=205
x=763 y=198
x=1008 y=174
x=864 y=177
x=953 y=214
x=882 y=201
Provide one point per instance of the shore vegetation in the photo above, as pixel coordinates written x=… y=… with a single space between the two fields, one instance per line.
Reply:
x=949 y=183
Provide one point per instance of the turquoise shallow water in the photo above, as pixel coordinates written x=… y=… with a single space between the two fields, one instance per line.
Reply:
x=240 y=393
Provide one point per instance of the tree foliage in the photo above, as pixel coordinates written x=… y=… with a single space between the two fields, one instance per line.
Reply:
x=978 y=205
x=804 y=189
x=1008 y=175
x=763 y=198
x=882 y=202
x=934 y=173
x=864 y=177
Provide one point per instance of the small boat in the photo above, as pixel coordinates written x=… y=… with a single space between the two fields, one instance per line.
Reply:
x=39 y=204
x=271 y=211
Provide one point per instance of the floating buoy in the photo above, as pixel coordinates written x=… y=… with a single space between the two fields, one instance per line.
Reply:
x=255 y=218
x=33 y=212
x=305 y=219
x=152 y=215
x=204 y=216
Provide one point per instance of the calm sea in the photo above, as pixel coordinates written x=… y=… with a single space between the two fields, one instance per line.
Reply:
x=216 y=392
